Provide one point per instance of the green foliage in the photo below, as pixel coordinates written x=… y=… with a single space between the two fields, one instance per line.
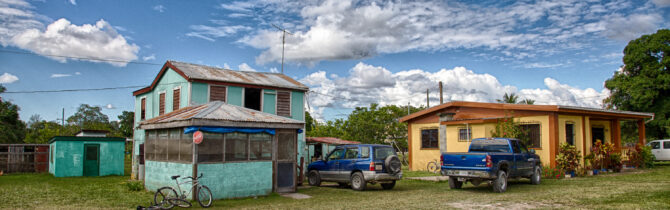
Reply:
x=549 y=172
x=568 y=157
x=509 y=98
x=644 y=82
x=89 y=117
x=616 y=162
x=127 y=120
x=647 y=157
x=12 y=129
x=134 y=185
x=507 y=128
x=309 y=122
x=527 y=101
x=41 y=132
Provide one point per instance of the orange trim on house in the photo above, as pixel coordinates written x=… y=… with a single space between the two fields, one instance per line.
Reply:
x=158 y=78
x=616 y=134
x=553 y=138
x=641 y=131
x=584 y=136
x=409 y=144
x=457 y=122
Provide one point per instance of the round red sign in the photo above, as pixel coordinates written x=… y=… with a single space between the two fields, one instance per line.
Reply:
x=197 y=137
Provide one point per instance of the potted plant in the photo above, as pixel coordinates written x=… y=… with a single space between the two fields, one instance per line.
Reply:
x=588 y=166
x=615 y=162
x=568 y=159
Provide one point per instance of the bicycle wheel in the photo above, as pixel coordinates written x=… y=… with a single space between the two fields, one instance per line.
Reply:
x=432 y=167
x=204 y=196
x=163 y=196
x=180 y=202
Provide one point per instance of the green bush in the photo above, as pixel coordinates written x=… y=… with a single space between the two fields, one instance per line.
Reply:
x=568 y=158
x=135 y=185
x=647 y=157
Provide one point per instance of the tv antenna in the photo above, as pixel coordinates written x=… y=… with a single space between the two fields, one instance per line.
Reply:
x=283 y=42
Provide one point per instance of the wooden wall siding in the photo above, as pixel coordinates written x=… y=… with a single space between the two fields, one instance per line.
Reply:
x=175 y=99
x=143 y=109
x=161 y=104
x=19 y=158
x=217 y=93
x=284 y=103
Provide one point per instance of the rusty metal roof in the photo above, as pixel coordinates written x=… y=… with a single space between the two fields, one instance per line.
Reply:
x=202 y=72
x=218 y=113
x=330 y=140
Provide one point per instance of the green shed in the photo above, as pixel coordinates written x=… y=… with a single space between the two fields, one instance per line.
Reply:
x=86 y=156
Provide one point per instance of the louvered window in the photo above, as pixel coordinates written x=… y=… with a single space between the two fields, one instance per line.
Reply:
x=284 y=103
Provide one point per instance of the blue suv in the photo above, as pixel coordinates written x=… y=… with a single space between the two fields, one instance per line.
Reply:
x=358 y=165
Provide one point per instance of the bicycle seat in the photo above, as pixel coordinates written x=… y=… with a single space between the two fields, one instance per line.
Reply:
x=175 y=177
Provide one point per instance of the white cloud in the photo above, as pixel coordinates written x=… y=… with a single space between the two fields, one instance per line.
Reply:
x=245 y=67
x=110 y=106
x=341 y=29
x=367 y=84
x=210 y=33
x=159 y=8
x=73 y=2
x=60 y=75
x=99 y=41
x=16 y=16
x=77 y=73
x=8 y=78
x=226 y=66
x=661 y=3
x=148 y=58
x=274 y=70
x=541 y=65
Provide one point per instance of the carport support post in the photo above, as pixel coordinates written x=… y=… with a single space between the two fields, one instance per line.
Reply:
x=195 y=168
x=641 y=131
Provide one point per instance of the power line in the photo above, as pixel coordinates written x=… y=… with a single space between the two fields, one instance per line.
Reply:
x=81 y=58
x=85 y=89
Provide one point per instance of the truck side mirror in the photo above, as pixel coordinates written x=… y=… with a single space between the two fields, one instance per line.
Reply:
x=532 y=151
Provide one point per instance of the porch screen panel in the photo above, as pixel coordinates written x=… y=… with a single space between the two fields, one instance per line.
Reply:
x=236 y=147
x=286 y=146
x=173 y=144
x=160 y=145
x=211 y=148
x=260 y=145
x=186 y=148
x=148 y=145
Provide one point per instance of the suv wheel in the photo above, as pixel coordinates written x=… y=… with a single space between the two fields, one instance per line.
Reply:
x=537 y=175
x=358 y=181
x=454 y=183
x=500 y=184
x=393 y=165
x=314 y=178
x=388 y=186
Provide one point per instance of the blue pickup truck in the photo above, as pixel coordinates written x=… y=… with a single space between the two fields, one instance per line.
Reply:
x=357 y=164
x=492 y=160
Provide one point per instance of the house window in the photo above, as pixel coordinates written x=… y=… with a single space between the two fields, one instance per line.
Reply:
x=167 y=145
x=252 y=98
x=464 y=134
x=260 y=146
x=284 y=103
x=570 y=134
x=143 y=109
x=429 y=138
x=236 y=146
x=175 y=98
x=217 y=93
x=532 y=137
x=161 y=104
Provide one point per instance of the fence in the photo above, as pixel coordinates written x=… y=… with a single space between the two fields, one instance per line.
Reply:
x=16 y=158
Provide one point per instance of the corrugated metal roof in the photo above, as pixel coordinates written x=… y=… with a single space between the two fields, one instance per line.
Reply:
x=218 y=113
x=605 y=110
x=195 y=71
x=330 y=140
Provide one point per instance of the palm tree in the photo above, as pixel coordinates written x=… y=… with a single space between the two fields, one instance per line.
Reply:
x=527 y=101
x=509 y=98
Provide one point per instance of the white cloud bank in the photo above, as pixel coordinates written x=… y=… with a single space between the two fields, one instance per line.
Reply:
x=23 y=28
x=367 y=84
x=8 y=78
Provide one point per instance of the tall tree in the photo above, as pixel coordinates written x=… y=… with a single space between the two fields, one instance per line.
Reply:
x=89 y=117
x=643 y=83
x=509 y=98
x=12 y=129
x=309 y=122
x=126 y=124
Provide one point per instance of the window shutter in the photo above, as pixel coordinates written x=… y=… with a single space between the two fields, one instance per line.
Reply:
x=175 y=99
x=284 y=103
x=217 y=93
x=161 y=104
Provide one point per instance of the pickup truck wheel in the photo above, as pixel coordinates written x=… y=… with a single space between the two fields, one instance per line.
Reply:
x=388 y=186
x=537 y=175
x=314 y=178
x=500 y=184
x=454 y=183
x=358 y=182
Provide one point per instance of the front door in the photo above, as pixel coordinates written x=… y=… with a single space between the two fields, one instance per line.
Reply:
x=597 y=134
x=285 y=163
x=91 y=159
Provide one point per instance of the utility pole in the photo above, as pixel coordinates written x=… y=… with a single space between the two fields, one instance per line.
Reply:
x=63 y=118
x=441 y=93
x=427 y=99
x=407 y=108
x=283 y=42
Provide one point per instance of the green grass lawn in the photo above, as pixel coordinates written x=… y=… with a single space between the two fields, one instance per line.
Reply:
x=643 y=189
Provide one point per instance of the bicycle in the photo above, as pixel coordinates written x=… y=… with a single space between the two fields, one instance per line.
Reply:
x=167 y=197
x=433 y=166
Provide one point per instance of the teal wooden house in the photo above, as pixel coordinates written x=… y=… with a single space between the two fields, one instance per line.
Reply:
x=86 y=156
x=252 y=124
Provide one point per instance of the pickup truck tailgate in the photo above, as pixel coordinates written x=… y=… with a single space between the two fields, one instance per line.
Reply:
x=472 y=160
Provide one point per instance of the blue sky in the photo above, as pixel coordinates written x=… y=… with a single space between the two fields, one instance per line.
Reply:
x=350 y=53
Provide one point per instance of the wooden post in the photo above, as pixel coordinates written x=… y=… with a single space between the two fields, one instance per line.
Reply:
x=641 y=132
x=301 y=178
x=616 y=134
x=195 y=168
x=553 y=138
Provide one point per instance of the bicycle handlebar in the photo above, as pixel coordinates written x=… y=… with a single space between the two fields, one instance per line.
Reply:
x=190 y=177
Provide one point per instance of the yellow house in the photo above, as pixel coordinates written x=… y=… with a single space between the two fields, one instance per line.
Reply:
x=450 y=127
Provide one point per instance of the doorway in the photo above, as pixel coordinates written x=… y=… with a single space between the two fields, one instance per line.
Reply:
x=91 y=159
x=285 y=163
x=597 y=134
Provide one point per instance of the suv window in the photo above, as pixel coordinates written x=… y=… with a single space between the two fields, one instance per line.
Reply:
x=655 y=145
x=336 y=154
x=382 y=152
x=351 y=153
x=666 y=145
x=365 y=152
